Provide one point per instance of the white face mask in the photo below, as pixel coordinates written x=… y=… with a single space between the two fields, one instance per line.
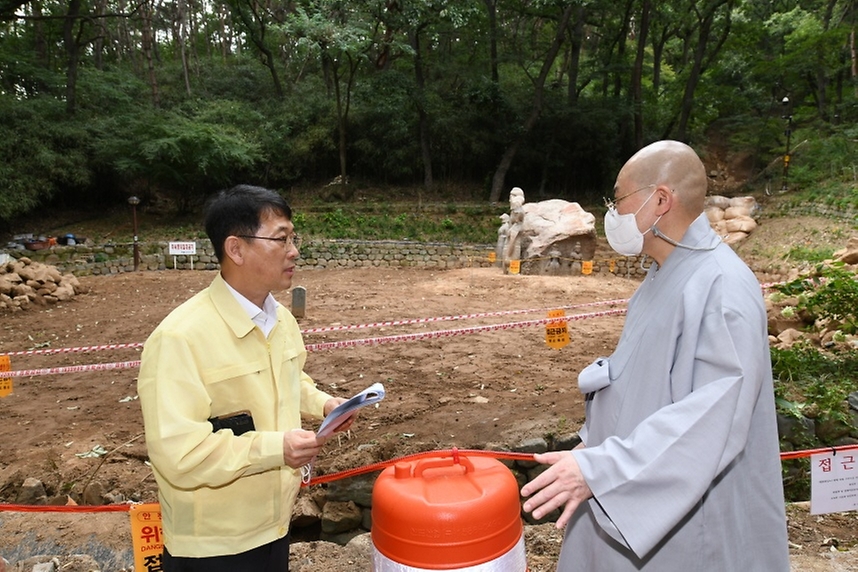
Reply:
x=622 y=231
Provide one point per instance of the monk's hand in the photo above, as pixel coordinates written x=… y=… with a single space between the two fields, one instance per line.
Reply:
x=561 y=486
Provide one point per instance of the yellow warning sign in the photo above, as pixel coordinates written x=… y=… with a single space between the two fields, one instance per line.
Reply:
x=147 y=537
x=5 y=382
x=492 y=257
x=556 y=333
x=587 y=267
x=514 y=266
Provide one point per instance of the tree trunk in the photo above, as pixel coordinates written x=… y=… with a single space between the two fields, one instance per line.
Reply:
x=191 y=37
x=343 y=102
x=180 y=29
x=657 y=51
x=271 y=64
x=637 y=75
x=822 y=79
x=575 y=56
x=146 y=40
x=423 y=123
x=123 y=42
x=341 y=128
x=699 y=60
x=41 y=45
x=98 y=44
x=258 y=39
x=225 y=46
x=72 y=48
x=853 y=50
x=491 y=6
x=536 y=109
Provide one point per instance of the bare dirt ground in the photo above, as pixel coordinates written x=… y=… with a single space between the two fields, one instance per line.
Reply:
x=489 y=388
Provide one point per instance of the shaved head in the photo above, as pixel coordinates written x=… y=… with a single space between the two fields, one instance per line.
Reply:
x=673 y=164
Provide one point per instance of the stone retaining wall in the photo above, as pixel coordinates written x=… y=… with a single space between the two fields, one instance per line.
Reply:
x=84 y=260
x=818 y=209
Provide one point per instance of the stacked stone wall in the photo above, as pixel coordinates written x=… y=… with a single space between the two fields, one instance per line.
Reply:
x=85 y=260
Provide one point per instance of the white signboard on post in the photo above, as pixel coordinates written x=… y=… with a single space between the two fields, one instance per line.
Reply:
x=834 y=482
x=180 y=248
x=188 y=248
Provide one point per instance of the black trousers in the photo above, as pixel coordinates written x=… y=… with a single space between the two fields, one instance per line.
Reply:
x=272 y=557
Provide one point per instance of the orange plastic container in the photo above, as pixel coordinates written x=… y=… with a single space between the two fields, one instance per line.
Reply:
x=447 y=513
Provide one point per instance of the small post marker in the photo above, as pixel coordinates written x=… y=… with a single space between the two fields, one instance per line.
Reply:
x=299 y=301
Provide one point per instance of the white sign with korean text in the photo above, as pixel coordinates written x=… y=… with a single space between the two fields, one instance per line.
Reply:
x=834 y=482
x=179 y=248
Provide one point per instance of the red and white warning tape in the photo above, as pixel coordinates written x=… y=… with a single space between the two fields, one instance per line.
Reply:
x=334 y=345
x=136 y=345
x=70 y=369
x=82 y=349
x=458 y=332
x=461 y=317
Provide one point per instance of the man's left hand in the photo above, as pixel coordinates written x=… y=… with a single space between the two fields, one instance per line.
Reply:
x=331 y=404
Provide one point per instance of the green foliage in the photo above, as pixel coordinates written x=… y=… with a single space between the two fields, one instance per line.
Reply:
x=187 y=154
x=824 y=168
x=830 y=293
x=383 y=128
x=377 y=222
x=800 y=253
x=805 y=375
x=348 y=72
x=814 y=384
x=239 y=78
x=103 y=92
x=42 y=153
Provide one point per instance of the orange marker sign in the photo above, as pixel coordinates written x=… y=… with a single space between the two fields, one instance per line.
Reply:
x=147 y=537
x=5 y=382
x=556 y=333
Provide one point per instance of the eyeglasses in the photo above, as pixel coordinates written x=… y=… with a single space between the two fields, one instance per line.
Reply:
x=286 y=241
x=612 y=203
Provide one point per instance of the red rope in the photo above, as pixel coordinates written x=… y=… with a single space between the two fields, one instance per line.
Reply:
x=381 y=465
x=455 y=452
x=809 y=452
x=65 y=508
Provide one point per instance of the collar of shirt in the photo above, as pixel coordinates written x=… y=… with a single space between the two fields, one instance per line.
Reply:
x=264 y=317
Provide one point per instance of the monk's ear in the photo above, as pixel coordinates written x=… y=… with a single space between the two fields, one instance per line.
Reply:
x=233 y=249
x=665 y=199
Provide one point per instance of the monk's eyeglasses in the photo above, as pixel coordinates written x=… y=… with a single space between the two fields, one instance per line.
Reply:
x=612 y=203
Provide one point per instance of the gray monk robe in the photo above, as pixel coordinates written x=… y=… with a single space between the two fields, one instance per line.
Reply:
x=681 y=439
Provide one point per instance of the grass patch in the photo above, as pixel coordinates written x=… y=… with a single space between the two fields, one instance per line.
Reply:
x=439 y=223
x=805 y=254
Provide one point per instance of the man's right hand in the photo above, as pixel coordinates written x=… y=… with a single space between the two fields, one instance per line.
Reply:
x=300 y=447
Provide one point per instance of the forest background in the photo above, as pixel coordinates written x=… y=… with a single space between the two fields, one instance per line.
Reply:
x=104 y=99
x=442 y=102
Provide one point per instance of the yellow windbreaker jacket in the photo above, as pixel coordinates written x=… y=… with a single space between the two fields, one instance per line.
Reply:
x=220 y=493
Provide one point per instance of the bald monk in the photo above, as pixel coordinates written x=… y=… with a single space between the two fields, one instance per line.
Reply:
x=679 y=466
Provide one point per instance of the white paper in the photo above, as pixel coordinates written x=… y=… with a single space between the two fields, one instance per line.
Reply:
x=834 y=482
x=372 y=394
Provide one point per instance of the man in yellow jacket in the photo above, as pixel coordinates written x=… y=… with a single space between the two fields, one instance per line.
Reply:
x=222 y=388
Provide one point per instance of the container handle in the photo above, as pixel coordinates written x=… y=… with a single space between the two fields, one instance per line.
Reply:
x=442 y=462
